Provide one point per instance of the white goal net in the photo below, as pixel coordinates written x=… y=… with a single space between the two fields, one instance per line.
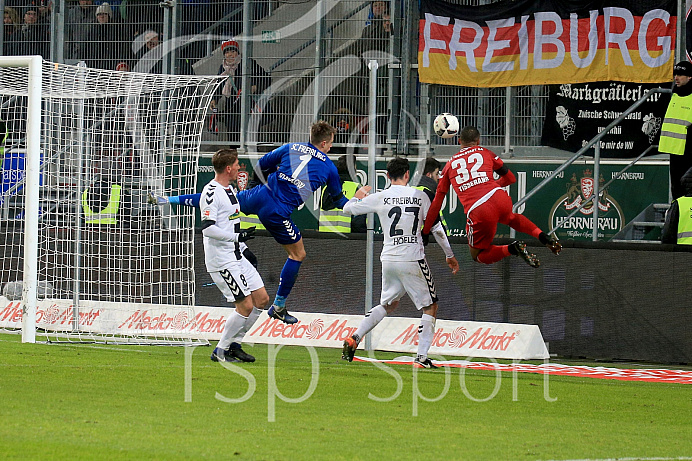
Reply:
x=109 y=265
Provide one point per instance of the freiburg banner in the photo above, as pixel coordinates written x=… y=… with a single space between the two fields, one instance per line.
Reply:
x=529 y=42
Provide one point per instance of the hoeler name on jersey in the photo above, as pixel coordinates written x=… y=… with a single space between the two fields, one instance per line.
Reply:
x=402 y=201
x=308 y=150
x=405 y=239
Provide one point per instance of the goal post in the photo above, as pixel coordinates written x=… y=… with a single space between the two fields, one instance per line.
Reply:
x=85 y=257
x=32 y=165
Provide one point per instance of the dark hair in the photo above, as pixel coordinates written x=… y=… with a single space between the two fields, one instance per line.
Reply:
x=321 y=131
x=469 y=134
x=341 y=165
x=431 y=164
x=686 y=181
x=397 y=168
x=223 y=158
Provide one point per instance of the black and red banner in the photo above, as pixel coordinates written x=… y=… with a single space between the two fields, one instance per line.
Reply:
x=576 y=113
x=529 y=42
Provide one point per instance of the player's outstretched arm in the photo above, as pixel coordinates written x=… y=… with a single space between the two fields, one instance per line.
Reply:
x=191 y=200
x=155 y=199
x=362 y=192
x=361 y=203
x=270 y=161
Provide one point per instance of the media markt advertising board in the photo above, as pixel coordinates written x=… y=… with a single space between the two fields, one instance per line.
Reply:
x=619 y=203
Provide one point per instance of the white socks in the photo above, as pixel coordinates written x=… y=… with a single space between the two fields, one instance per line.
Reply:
x=426 y=331
x=371 y=320
x=234 y=323
x=249 y=322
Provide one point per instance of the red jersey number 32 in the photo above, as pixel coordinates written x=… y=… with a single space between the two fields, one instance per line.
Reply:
x=462 y=168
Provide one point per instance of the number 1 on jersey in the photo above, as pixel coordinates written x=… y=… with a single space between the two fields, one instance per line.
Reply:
x=304 y=159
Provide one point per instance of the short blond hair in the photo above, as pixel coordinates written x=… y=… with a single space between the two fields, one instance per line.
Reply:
x=223 y=158
x=321 y=131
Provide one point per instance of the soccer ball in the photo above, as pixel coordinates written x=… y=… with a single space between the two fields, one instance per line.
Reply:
x=446 y=125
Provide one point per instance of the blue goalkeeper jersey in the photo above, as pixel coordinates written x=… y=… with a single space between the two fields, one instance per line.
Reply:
x=299 y=169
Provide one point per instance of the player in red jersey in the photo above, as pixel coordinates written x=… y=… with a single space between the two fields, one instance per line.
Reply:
x=470 y=173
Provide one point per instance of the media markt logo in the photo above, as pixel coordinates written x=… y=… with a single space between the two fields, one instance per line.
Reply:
x=580 y=226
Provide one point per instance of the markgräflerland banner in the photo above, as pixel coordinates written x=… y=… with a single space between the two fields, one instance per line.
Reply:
x=529 y=42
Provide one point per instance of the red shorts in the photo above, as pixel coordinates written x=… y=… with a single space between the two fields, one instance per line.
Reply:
x=481 y=222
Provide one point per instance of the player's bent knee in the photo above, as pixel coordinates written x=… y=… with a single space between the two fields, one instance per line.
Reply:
x=260 y=298
x=474 y=254
x=299 y=254
x=391 y=307
x=296 y=251
x=244 y=306
x=431 y=310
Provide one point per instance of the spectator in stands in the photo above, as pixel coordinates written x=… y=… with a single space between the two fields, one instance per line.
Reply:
x=122 y=66
x=350 y=128
x=678 y=225
x=11 y=25
x=104 y=47
x=148 y=53
x=377 y=10
x=379 y=32
x=227 y=100
x=31 y=38
x=104 y=14
x=77 y=21
x=44 y=7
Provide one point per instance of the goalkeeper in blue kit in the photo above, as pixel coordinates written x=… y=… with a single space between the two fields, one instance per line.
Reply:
x=290 y=175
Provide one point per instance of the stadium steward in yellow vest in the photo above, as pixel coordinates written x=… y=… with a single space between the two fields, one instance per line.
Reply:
x=333 y=219
x=428 y=182
x=675 y=136
x=678 y=225
x=101 y=203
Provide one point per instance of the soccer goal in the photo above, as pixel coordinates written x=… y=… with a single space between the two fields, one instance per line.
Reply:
x=85 y=257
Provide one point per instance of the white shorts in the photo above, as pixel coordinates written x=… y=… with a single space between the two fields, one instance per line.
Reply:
x=412 y=277
x=237 y=280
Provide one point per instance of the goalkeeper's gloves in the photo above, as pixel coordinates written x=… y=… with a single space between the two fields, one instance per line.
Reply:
x=250 y=256
x=247 y=234
x=426 y=238
x=156 y=199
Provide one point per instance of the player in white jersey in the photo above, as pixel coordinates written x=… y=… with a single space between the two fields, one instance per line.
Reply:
x=224 y=248
x=402 y=210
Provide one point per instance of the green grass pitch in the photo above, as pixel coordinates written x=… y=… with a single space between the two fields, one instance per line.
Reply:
x=145 y=402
